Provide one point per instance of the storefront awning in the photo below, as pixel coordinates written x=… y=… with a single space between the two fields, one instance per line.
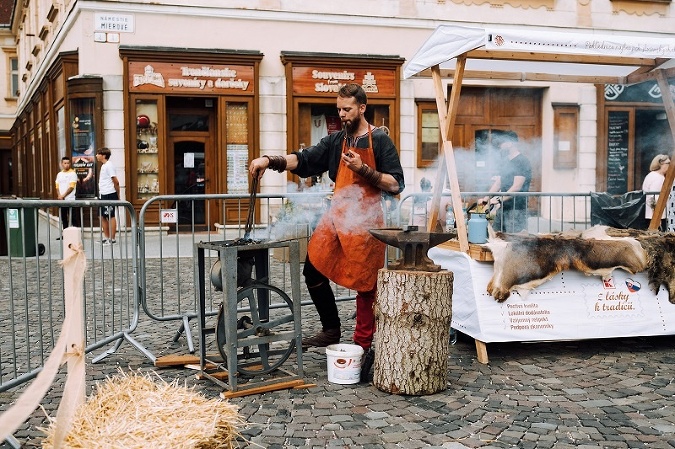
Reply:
x=533 y=55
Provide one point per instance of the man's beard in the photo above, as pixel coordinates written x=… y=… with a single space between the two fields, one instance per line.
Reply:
x=351 y=126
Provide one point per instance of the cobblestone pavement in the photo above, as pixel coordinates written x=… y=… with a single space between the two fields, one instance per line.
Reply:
x=613 y=393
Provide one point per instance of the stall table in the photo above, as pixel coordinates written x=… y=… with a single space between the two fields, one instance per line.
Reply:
x=570 y=306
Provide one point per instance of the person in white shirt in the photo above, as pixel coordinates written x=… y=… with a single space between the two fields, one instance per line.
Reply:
x=653 y=183
x=66 y=182
x=108 y=189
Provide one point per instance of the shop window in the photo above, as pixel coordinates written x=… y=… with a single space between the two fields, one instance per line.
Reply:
x=147 y=152
x=565 y=125
x=428 y=133
x=237 y=147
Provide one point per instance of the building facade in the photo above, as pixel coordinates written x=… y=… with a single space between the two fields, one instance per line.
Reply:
x=185 y=96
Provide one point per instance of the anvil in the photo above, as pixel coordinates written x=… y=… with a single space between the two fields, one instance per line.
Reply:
x=414 y=244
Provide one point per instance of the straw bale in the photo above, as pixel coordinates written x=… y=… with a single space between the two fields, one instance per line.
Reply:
x=137 y=411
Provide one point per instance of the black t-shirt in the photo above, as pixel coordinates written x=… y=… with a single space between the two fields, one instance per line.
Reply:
x=326 y=154
x=518 y=166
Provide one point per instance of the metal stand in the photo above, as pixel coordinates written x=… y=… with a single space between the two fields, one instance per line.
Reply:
x=236 y=341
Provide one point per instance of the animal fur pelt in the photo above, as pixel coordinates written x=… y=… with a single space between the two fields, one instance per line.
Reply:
x=660 y=250
x=525 y=261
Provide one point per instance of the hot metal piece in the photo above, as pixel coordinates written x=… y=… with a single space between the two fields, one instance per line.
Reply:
x=414 y=244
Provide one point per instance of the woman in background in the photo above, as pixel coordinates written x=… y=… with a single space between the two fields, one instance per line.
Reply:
x=653 y=183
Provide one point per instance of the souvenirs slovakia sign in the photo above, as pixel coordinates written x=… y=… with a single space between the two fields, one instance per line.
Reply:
x=328 y=81
x=190 y=78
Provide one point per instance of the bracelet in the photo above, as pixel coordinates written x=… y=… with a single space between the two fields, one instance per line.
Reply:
x=371 y=175
x=277 y=163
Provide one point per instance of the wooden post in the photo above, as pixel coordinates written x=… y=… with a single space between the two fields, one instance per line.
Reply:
x=668 y=105
x=413 y=313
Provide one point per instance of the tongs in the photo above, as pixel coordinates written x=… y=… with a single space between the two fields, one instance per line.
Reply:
x=251 y=209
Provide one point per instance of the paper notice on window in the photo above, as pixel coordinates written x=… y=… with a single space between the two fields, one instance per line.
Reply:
x=564 y=145
x=189 y=160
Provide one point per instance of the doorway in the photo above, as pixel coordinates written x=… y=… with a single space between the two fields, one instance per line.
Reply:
x=190 y=179
x=191 y=159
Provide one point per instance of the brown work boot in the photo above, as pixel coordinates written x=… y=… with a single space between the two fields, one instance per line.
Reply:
x=324 y=338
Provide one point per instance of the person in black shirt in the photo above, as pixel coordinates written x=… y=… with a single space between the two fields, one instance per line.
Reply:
x=515 y=176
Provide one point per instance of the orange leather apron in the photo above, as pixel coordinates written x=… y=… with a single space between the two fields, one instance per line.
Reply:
x=341 y=247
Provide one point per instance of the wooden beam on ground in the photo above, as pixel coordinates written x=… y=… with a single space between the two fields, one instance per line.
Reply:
x=183 y=359
x=667 y=97
x=261 y=389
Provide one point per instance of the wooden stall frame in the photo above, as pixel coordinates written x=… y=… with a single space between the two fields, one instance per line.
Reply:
x=464 y=44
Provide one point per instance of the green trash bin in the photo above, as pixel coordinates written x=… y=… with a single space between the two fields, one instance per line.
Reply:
x=20 y=224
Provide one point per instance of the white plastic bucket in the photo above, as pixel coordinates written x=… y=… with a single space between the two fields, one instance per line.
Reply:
x=344 y=363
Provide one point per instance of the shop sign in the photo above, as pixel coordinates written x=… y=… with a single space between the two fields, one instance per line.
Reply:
x=190 y=78
x=328 y=81
x=647 y=92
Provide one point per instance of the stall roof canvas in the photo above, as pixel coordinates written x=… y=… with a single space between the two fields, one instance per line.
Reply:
x=534 y=55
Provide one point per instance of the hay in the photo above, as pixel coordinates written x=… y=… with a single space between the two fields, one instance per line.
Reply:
x=135 y=411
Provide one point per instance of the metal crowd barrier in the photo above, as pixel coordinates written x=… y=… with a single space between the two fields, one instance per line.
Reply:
x=31 y=290
x=547 y=212
x=153 y=267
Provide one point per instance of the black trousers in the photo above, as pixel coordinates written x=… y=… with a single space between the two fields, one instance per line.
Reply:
x=70 y=216
x=322 y=296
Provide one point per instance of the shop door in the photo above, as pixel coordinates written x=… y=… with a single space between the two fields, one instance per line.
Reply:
x=191 y=160
x=189 y=178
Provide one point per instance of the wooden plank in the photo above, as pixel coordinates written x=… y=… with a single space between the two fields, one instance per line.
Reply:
x=434 y=224
x=525 y=76
x=304 y=386
x=477 y=252
x=561 y=57
x=261 y=389
x=447 y=159
x=183 y=359
x=220 y=375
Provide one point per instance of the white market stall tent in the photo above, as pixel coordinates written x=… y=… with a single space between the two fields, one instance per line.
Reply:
x=522 y=54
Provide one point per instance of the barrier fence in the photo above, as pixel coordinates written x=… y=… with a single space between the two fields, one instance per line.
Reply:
x=153 y=266
x=31 y=292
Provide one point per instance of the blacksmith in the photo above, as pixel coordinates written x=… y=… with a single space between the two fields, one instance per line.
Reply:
x=364 y=164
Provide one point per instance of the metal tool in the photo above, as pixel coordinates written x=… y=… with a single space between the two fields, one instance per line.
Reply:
x=251 y=209
x=414 y=244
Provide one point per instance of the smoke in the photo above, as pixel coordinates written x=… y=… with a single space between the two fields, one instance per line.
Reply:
x=478 y=165
x=352 y=211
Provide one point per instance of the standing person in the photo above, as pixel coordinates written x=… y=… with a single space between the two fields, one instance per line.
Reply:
x=108 y=189
x=653 y=183
x=364 y=163
x=515 y=175
x=66 y=183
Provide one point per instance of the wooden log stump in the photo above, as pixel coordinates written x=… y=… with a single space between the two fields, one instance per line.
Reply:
x=413 y=313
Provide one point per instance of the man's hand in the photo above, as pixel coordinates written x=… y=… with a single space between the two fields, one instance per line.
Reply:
x=352 y=160
x=258 y=166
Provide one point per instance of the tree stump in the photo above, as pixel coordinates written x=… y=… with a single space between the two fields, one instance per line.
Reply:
x=413 y=313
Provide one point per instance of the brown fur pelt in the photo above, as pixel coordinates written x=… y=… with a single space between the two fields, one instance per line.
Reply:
x=660 y=249
x=525 y=261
